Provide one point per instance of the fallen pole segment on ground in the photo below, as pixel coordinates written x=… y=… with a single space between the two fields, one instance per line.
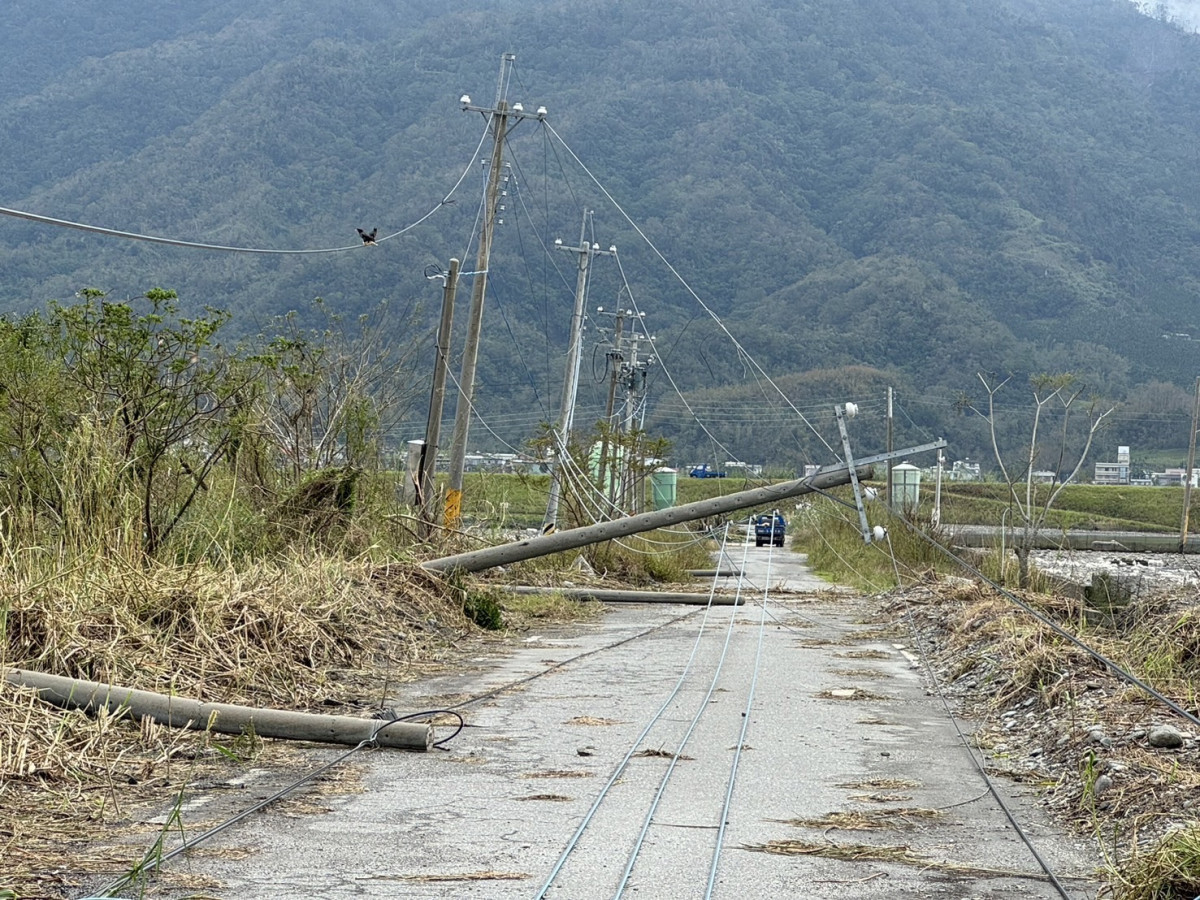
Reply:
x=507 y=554
x=226 y=718
x=609 y=595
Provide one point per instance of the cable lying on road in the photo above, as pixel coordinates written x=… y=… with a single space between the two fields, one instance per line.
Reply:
x=154 y=860
x=966 y=743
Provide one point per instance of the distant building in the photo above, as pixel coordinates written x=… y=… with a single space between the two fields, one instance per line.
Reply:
x=1113 y=472
x=1174 y=478
x=964 y=470
x=749 y=470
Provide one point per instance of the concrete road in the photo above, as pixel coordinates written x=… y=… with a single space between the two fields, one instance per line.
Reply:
x=778 y=570
x=837 y=720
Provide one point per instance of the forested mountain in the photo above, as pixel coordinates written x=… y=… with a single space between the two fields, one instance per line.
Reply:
x=918 y=189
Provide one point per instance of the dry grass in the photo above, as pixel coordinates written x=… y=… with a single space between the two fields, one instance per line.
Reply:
x=872 y=674
x=904 y=817
x=276 y=634
x=886 y=784
x=901 y=855
x=864 y=654
x=881 y=798
x=550 y=608
x=591 y=721
x=1054 y=697
x=662 y=754
x=310 y=633
x=1169 y=870
x=852 y=694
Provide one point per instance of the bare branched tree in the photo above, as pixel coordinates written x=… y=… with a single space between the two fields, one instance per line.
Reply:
x=1054 y=397
x=332 y=393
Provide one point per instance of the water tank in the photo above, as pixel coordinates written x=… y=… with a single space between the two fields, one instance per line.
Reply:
x=662 y=487
x=906 y=486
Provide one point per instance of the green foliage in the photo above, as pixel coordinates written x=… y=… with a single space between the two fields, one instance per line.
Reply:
x=478 y=603
x=836 y=549
x=654 y=557
x=1168 y=869
x=128 y=430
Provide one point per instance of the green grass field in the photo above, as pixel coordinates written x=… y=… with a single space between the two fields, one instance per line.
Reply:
x=1088 y=506
x=519 y=500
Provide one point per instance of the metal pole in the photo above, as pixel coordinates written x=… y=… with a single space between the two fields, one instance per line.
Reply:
x=437 y=396
x=507 y=554
x=862 y=513
x=1187 y=475
x=937 y=493
x=888 y=447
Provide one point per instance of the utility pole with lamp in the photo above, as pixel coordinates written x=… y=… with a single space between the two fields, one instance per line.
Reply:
x=500 y=115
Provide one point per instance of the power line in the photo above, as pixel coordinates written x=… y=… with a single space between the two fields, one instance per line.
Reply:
x=712 y=315
x=197 y=245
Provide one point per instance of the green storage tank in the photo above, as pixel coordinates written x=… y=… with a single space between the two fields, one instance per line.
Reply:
x=906 y=486
x=662 y=487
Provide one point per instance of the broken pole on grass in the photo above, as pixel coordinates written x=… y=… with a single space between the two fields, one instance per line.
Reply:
x=507 y=554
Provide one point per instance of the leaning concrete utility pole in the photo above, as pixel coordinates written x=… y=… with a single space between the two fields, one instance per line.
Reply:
x=507 y=554
x=566 y=414
x=499 y=116
x=437 y=396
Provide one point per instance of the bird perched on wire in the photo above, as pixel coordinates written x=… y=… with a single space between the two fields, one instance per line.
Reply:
x=368 y=237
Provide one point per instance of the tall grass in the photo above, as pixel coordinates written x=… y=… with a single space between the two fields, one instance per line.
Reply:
x=836 y=549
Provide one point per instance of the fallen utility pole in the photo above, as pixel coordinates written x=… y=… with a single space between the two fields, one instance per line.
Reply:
x=507 y=554
x=179 y=712
x=605 y=595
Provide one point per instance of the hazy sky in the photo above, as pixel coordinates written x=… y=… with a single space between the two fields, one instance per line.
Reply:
x=1187 y=12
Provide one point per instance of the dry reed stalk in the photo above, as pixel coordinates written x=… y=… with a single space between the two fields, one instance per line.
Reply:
x=868 y=820
x=296 y=633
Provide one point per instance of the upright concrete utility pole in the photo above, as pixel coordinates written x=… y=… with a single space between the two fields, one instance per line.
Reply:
x=1187 y=475
x=499 y=117
x=566 y=413
x=437 y=395
x=635 y=381
x=615 y=356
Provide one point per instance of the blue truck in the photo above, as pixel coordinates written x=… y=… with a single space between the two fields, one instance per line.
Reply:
x=769 y=528
x=705 y=471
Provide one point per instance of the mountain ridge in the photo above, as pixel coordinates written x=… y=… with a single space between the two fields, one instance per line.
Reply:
x=997 y=187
